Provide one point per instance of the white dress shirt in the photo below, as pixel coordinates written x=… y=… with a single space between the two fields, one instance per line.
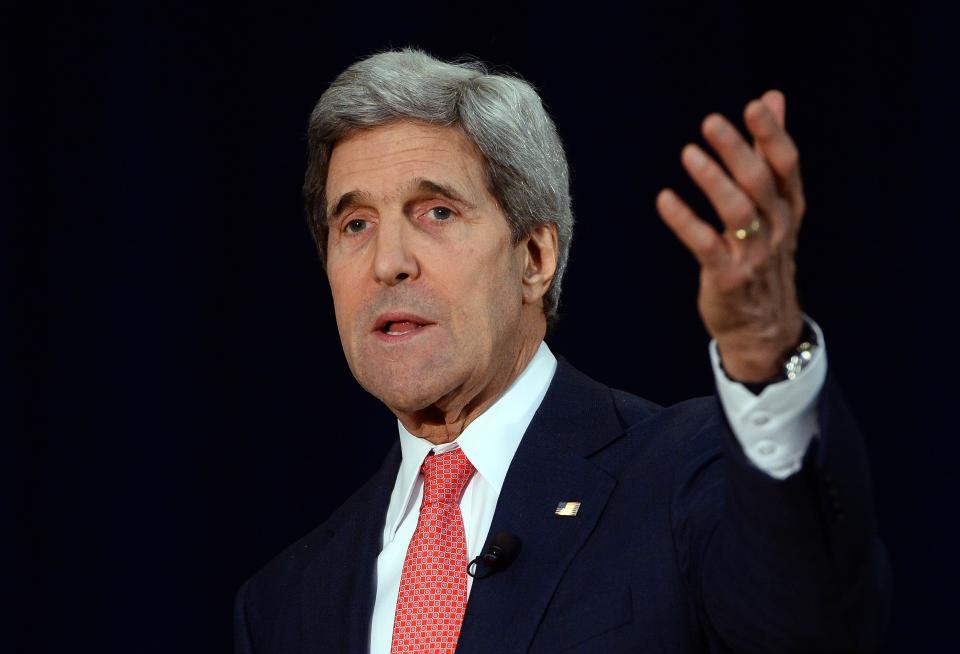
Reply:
x=774 y=428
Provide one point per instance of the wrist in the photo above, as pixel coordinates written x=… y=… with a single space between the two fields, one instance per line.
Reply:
x=750 y=359
x=751 y=367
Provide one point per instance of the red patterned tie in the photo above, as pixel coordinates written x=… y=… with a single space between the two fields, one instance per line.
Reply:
x=433 y=585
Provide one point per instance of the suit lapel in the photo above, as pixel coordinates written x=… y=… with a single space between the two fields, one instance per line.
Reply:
x=576 y=418
x=338 y=588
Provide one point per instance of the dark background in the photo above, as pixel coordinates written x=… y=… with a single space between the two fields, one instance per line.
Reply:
x=181 y=406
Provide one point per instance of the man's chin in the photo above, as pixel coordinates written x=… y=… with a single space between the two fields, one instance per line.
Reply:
x=403 y=390
x=403 y=401
x=408 y=384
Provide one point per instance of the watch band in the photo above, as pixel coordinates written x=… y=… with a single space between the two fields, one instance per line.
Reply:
x=796 y=360
x=801 y=355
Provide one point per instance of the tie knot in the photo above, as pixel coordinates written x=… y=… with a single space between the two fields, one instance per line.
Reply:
x=445 y=476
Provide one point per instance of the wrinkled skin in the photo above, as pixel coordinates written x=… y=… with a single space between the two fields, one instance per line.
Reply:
x=418 y=241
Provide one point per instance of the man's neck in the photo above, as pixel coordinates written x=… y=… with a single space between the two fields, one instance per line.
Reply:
x=444 y=421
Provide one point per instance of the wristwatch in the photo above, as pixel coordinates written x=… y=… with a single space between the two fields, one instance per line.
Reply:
x=800 y=356
x=794 y=363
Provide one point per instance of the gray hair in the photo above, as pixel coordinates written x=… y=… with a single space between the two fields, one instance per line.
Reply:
x=502 y=115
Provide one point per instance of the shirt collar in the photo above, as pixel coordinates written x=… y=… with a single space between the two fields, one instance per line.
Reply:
x=489 y=442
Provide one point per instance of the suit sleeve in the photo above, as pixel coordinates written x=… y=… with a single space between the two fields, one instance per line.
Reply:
x=783 y=565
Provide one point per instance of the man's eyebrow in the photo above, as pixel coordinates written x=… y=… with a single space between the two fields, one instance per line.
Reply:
x=353 y=198
x=345 y=201
x=436 y=188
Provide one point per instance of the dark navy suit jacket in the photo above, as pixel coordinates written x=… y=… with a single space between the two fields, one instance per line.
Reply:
x=680 y=545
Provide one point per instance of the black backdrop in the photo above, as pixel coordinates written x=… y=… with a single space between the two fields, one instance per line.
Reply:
x=182 y=409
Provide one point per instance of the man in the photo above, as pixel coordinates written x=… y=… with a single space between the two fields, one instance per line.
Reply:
x=438 y=196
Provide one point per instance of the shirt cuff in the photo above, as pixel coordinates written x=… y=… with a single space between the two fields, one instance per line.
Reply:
x=775 y=427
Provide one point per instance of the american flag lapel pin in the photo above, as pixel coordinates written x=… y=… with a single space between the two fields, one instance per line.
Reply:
x=567 y=508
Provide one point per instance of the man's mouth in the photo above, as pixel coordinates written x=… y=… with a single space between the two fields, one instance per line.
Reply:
x=400 y=327
x=395 y=325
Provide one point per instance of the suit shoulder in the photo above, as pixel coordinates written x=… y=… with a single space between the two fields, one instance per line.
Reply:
x=689 y=415
x=633 y=408
x=287 y=567
x=296 y=554
x=276 y=579
x=265 y=605
x=690 y=430
x=589 y=416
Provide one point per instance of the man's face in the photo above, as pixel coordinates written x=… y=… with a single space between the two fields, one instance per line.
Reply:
x=426 y=280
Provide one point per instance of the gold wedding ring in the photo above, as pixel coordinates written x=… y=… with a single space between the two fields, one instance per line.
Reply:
x=752 y=229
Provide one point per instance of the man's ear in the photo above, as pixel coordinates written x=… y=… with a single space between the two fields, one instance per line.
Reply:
x=539 y=261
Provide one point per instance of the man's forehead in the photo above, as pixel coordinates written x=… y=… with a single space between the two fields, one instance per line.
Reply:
x=402 y=140
x=402 y=158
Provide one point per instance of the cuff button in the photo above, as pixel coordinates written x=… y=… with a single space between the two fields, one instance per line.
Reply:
x=766 y=448
x=760 y=418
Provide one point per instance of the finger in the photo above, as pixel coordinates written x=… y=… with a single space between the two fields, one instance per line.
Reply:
x=700 y=238
x=777 y=103
x=748 y=167
x=731 y=203
x=779 y=150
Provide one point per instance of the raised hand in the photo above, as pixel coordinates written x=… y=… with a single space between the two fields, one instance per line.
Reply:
x=747 y=298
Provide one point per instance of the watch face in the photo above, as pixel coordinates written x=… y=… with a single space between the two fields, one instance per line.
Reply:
x=798 y=360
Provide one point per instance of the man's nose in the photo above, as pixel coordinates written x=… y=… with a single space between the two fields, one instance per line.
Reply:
x=394 y=260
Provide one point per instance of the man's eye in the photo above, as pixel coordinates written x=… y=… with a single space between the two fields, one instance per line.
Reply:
x=355 y=226
x=441 y=213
